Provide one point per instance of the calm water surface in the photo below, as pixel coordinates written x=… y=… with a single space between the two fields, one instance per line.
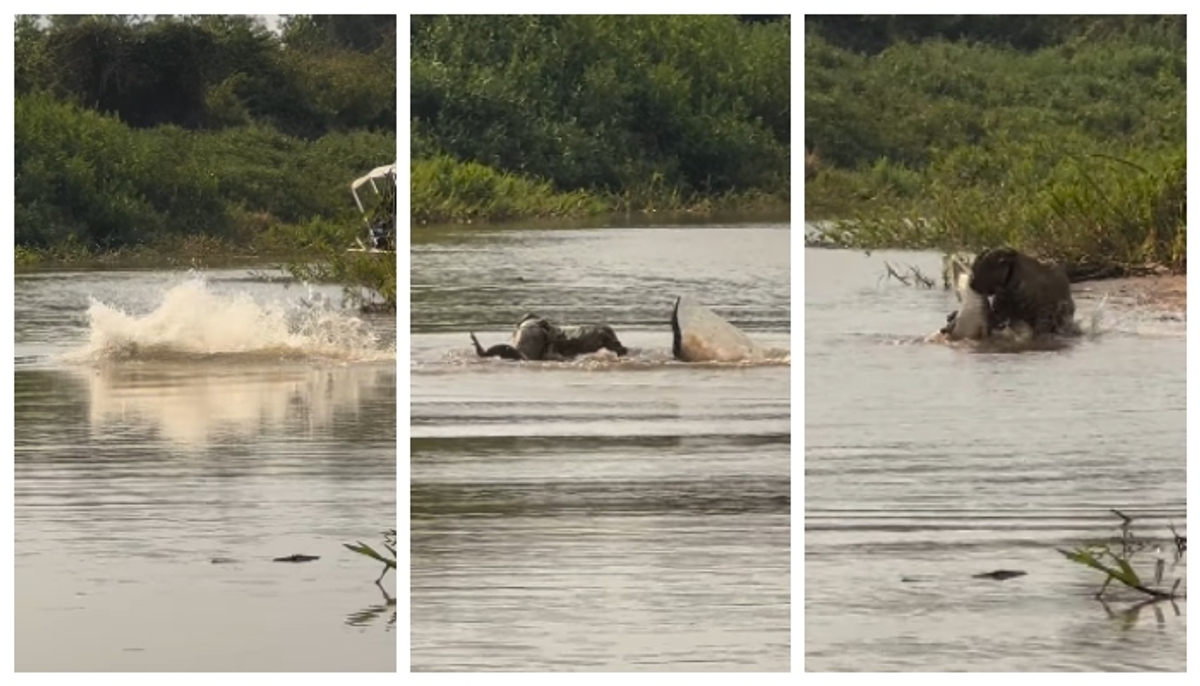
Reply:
x=934 y=463
x=600 y=514
x=164 y=420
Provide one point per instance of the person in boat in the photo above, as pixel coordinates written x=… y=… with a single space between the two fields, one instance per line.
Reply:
x=380 y=233
x=536 y=338
x=380 y=237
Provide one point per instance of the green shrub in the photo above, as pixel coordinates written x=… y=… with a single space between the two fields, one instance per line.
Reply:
x=599 y=105
x=1070 y=148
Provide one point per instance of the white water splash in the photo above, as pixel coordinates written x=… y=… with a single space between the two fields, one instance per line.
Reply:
x=192 y=323
x=1092 y=330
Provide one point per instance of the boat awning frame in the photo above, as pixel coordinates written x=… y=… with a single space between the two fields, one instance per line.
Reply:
x=376 y=173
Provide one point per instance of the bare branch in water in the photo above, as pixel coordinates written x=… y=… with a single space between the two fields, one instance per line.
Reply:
x=921 y=278
x=914 y=278
x=891 y=272
x=1180 y=541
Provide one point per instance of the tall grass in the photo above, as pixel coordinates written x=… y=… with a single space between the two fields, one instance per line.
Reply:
x=446 y=191
x=1105 y=215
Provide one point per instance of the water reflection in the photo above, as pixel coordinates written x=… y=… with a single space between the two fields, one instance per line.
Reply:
x=192 y=408
x=163 y=422
x=373 y=613
x=931 y=464
x=1127 y=617
x=599 y=514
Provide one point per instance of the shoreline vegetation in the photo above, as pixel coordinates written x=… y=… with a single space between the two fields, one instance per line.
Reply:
x=521 y=117
x=1064 y=137
x=165 y=140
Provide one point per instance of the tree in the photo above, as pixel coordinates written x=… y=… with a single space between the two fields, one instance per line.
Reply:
x=359 y=32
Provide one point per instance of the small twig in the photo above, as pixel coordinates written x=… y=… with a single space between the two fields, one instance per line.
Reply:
x=1180 y=541
x=893 y=273
x=917 y=278
x=1126 y=534
x=921 y=278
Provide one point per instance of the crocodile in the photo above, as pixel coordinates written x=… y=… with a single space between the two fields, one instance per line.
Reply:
x=998 y=575
x=296 y=557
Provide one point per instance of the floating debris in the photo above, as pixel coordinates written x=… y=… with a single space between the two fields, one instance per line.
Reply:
x=297 y=558
x=1000 y=574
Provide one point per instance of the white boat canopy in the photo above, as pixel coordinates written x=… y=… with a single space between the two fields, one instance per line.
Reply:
x=383 y=172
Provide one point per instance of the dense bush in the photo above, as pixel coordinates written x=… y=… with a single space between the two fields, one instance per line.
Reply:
x=134 y=133
x=873 y=34
x=321 y=74
x=1071 y=144
x=87 y=178
x=606 y=104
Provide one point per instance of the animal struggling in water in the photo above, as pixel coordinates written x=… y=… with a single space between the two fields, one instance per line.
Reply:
x=698 y=335
x=537 y=338
x=1006 y=289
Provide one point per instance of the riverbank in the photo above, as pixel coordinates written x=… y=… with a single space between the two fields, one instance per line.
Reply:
x=1166 y=293
x=446 y=191
x=206 y=254
x=368 y=279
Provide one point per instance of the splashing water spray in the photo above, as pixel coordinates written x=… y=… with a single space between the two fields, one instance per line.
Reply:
x=192 y=322
x=1097 y=314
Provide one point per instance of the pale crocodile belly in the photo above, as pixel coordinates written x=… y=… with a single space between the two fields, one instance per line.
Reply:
x=972 y=320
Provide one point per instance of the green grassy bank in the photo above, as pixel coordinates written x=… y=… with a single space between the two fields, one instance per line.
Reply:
x=448 y=191
x=939 y=133
x=573 y=116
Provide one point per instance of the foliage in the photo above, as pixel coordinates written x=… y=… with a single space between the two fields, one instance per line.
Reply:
x=873 y=34
x=201 y=72
x=365 y=33
x=364 y=276
x=448 y=191
x=181 y=136
x=1121 y=568
x=1090 y=210
x=142 y=134
x=444 y=190
x=389 y=543
x=86 y=177
x=1071 y=147
x=601 y=105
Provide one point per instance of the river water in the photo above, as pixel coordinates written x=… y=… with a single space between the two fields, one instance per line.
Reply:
x=926 y=464
x=165 y=420
x=600 y=514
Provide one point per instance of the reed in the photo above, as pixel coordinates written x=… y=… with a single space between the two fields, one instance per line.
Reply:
x=389 y=543
x=1115 y=560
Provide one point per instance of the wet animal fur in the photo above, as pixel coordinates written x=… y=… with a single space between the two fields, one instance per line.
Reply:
x=1024 y=291
x=537 y=339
